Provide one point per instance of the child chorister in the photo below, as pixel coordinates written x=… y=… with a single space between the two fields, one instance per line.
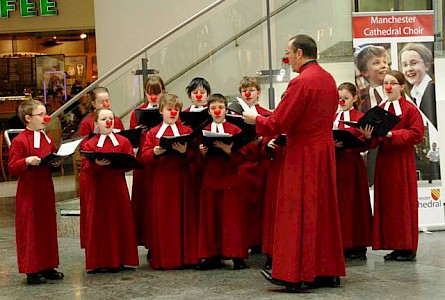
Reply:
x=100 y=98
x=198 y=91
x=221 y=214
x=35 y=217
x=168 y=186
x=395 y=224
x=142 y=179
x=352 y=182
x=110 y=238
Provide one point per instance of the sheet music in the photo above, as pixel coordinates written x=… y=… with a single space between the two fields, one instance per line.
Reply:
x=68 y=148
x=214 y=134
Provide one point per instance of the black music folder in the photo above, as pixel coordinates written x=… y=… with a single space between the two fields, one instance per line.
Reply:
x=382 y=121
x=281 y=140
x=133 y=135
x=118 y=160
x=195 y=119
x=150 y=117
x=350 y=140
x=238 y=121
x=243 y=138
x=65 y=150
x=166 y=142
x=208 y=139
x=235 y=107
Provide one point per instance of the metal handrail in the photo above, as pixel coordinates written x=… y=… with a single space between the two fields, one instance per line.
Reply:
x=144 y=49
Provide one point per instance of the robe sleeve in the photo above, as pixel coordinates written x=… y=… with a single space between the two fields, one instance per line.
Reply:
x=17 y=158
x=118 y=124
x=133 y=120
x=147 y=154
x=287 y=112
x=408 y=136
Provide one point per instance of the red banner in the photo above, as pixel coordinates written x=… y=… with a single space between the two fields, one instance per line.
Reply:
x=384 y=26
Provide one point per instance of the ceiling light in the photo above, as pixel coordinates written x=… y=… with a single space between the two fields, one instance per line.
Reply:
x=83 y=36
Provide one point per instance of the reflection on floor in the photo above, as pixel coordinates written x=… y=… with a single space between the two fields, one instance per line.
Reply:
x=366 y=279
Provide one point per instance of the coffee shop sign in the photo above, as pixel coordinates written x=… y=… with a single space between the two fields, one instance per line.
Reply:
x=28 y=8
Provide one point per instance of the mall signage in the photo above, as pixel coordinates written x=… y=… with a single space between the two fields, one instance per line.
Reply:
x=28 y=8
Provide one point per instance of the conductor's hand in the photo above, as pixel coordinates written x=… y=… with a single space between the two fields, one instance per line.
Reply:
x=180 y=147
x=226 y=148
x=32 y=161
x=367 y=131
x=203 y=149
x=250 y=117
x=157 y=150
x=102 y=162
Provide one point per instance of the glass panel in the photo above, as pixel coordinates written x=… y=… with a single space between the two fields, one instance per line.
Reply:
x=376 y=5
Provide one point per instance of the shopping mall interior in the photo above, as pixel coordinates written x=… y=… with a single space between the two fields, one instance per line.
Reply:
x=59 y=51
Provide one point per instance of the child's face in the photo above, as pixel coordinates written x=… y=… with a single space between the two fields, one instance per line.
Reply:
x=413 y=67
x=152 y=97
x=170 y=114
x=250 y=95
x=376 y=69
x=102 y=100
x=199 y=96
x=105 y=121
x=392 y=88
x=218 y=112
x=346 y=100
x=35 y=121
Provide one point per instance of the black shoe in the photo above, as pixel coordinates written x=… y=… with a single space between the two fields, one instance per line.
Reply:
x=255 y=249
x=406 y=255
x=391 y=256
x=268 y=264
x=35 y=278
x=52 y=274
x=290 y=286
x=358 y=253
x=326 y=281
x=239 y=264
x=98 y=271
x=205 y=264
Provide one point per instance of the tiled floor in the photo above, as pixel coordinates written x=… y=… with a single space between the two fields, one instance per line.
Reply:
x=366 y=279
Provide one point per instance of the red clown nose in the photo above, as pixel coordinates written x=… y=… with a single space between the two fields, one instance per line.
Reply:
x=285 y=60
x=173 y=113
x=109 y=123
x=247 y=94
x=106 y=104
x=46 y=119
x=198 y=96
x=153 y=98
x=388 y=88
x=342 y=102
x=217 y=112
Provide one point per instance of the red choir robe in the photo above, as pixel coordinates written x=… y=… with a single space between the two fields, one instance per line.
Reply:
x=141 y=190
x=395 y=225
x=222 y=219
x=353 y=192
x=274 y=159
x=169 y=184
x=35 y=212
x=253 y=177
x=110 y=238
x=86 y=128
x=307 y=229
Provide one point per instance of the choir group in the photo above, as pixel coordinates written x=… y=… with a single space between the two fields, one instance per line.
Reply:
x=207 y=199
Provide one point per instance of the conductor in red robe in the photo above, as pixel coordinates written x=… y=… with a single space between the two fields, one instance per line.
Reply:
x=307 y=242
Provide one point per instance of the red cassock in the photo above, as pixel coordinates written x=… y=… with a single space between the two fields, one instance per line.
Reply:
x=110 y=238
x=86 y=128
x=222 y=220
x=253 y=182
x=274 y=160
x=35 y=212
x=395 y=225
x=169 y=184
x=141 y=191
x=353 y=192
x=307 y=233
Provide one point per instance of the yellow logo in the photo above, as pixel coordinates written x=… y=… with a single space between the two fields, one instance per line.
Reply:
x=435 y=194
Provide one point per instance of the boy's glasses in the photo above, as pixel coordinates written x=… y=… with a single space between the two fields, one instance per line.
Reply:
x=40 y=115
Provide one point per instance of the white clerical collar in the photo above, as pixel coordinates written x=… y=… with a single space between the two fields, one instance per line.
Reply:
x=217 y=127
x=151 y=105
x=101 y=141
x=195 y=108
x=372 y=97
x=37 y=135
x=397 y=108
x=346 y=117
x=418 y=90
x=245 y=106
x=164 y=127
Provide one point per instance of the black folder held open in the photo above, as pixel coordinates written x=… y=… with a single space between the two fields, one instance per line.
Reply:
x=118 y=160
x=350 y=141
x=133 y=135
x=382 y=121
x=149 y=117
x=238 y=121
x=66 y=149
x=194 y=119
x=239 y=140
